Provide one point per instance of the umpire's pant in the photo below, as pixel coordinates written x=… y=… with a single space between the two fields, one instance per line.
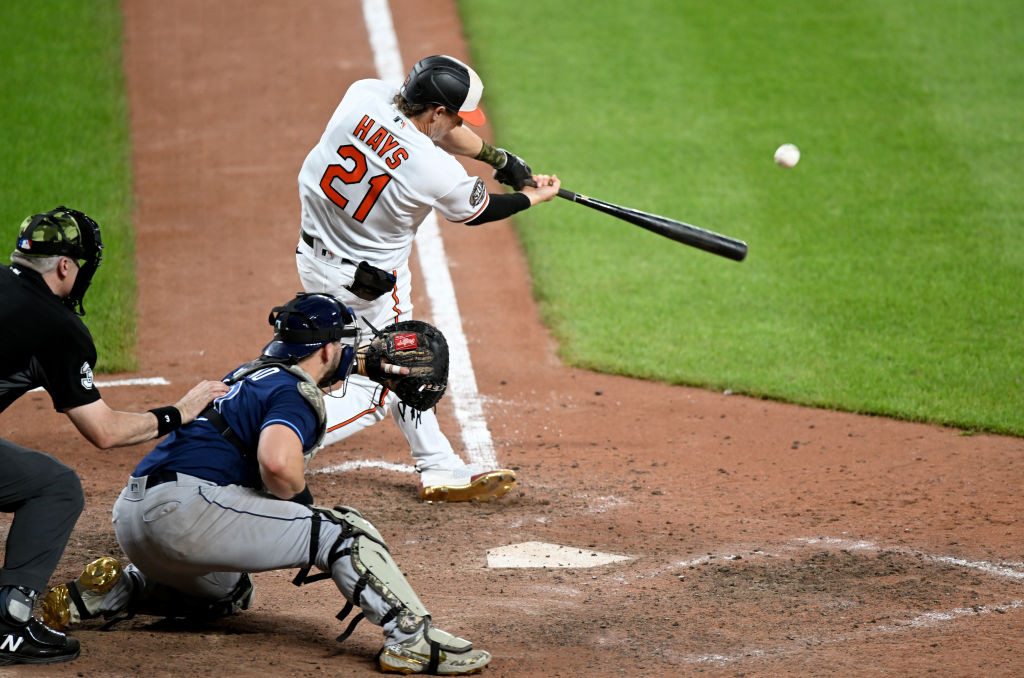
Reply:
x=46 y=499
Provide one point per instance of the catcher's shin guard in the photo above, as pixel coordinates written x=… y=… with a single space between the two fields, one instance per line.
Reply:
x=373 y=566
x=81 y=598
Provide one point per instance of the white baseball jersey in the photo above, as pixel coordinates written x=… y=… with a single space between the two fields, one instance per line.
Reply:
x=373 y=178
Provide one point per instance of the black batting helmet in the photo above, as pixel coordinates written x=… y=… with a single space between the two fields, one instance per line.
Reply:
x=445 y=81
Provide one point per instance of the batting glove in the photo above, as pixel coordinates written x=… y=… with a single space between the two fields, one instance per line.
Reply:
x=515 y=172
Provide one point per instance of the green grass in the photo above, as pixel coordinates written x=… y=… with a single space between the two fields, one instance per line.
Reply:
x=64 y=140
x=885 y=271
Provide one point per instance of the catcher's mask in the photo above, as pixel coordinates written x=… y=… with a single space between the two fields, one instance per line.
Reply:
x=68 y=233
x=309 y=322
x=444 y=81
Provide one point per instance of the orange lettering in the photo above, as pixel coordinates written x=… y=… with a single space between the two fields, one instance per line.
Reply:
x=397 y=157
x=364 y=126
x=388 y=145
x=377 y=138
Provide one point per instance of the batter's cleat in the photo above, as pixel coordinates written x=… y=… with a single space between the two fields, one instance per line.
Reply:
x=465 y=485
x=434 y=652
x=80 y=599
x=35 y=643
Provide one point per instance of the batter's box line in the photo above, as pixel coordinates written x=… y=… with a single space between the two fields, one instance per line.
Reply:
x=923 y=620
x=800 y=645
x=1007 y=570
x=1003 y=569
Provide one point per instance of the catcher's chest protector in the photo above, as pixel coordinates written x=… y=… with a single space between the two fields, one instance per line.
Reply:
x=307 y=388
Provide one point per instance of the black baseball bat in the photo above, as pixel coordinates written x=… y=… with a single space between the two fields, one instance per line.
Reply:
x=709 y=241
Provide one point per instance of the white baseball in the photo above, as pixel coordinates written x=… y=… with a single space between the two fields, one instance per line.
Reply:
x=787 y=155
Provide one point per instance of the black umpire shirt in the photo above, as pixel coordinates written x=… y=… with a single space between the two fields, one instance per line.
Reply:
x=42 y=343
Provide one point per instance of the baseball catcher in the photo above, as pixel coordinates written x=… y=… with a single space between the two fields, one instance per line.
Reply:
x=236 y=475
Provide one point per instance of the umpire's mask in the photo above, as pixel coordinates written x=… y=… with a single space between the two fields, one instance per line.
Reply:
x=69 y=233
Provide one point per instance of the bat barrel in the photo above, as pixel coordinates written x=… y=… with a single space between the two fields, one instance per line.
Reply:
x=709 y=241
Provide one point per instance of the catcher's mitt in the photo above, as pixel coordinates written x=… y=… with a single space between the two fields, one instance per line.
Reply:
x=419 y=346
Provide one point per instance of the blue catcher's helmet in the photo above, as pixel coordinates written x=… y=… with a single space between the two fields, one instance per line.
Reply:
x=309 y=322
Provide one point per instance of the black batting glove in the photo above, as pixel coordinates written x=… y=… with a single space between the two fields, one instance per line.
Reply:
x=515 y=172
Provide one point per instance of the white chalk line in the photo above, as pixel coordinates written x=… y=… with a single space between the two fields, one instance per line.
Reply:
x=365 y=463
x=1013 y=571
x=141 y=381
x=144 y=381
x=462 y=386
x=1008 y=570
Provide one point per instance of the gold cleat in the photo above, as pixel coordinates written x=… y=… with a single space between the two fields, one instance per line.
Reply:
x=55 y=608
x=63 y=604
x=434 y=652
x=482 y=487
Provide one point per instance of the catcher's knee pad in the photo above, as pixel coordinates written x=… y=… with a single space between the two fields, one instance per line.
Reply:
x=372 y=563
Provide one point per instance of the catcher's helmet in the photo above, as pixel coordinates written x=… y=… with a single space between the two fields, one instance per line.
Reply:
x=68 y=233
x=308 y=322
x=445 y=81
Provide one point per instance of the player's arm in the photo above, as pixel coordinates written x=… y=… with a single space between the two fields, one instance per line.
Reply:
x=282 y=467
x=503 y=205
x=511 y=170
x=105 y=427
x=462 y=141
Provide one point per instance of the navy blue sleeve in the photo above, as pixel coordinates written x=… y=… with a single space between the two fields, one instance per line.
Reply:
x=289 y=408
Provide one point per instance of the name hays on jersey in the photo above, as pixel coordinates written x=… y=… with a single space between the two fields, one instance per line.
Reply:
x=378 y=138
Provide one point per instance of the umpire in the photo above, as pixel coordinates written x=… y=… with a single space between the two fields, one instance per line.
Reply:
x=43 y=343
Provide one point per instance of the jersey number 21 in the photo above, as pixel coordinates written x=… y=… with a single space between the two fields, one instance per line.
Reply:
x=353 y=176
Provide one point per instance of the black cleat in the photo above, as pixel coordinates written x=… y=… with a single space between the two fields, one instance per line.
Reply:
x=35 y=643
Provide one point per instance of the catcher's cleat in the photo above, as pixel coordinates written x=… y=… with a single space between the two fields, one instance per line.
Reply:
x=80 y=599
x=35 y=643
x=453 y=486
x=432 y=651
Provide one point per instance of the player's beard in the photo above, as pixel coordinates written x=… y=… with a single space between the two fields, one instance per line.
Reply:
x=331 y=377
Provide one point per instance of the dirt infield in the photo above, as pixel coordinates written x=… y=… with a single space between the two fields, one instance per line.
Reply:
x=764 y=539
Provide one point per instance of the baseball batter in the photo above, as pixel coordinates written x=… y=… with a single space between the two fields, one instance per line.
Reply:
x=226 y=495
x=383 y=163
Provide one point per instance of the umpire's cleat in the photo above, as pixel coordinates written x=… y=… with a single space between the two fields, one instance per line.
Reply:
x=462 y=486
x=435 y=652
x=80 y=599
x=35 y=643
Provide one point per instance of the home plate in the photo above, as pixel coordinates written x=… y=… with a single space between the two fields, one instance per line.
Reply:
x=540 y=554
